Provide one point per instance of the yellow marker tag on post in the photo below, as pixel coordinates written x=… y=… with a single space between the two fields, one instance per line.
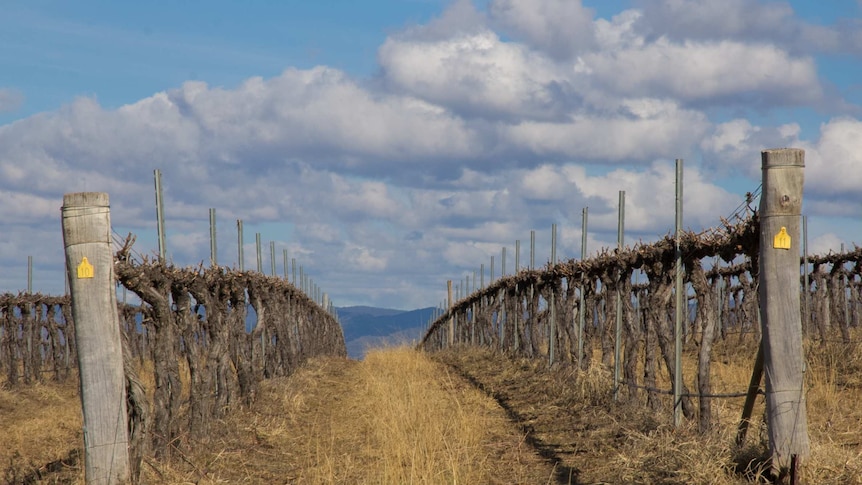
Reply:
x=781 y=240
x=85 y=269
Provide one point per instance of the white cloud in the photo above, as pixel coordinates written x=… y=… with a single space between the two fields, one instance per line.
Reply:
x=748 y=20
x=549 y=182
x=459 y=18
x=363 y=259
x=635 y=133
x=481 y=126
x=475 y=74
x=832 y=163
x=832 y=160
x=20 y=206
x=366 y=198
x=825 y=244
x=650 y=198
x=706 y=71
x=560 y=28
x=735 y=145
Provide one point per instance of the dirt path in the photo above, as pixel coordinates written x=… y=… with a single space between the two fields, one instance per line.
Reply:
x=397 y=417
x=403 y=417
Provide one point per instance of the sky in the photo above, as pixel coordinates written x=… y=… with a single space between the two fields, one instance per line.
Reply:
x=391 y=145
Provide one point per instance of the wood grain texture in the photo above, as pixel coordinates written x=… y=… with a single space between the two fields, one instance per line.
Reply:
x=87 y=233
x=780 y=207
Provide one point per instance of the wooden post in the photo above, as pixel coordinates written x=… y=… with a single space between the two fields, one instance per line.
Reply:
x=780 y=208
x=753 y=387
x=87 y=239
x=806 y=287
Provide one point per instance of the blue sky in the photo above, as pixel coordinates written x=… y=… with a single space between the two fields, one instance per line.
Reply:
x=390 y=145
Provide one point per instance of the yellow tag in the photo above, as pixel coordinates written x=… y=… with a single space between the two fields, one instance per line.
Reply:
x=85 y=269
x=781 y=240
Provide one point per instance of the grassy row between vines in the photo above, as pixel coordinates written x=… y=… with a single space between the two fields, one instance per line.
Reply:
x=402 y=416
x=396 y=417
x=571 y=415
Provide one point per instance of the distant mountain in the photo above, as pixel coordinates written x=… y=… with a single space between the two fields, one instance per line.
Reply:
x=366 y=327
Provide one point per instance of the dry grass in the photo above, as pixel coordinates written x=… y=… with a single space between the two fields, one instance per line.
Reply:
x=40 y=432
x=394 y=418
x=572 y=416
x=400 y=417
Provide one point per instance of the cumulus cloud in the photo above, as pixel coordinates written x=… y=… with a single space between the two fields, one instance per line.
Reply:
x=364 y=259
x=560 y=28
x=480 y=126
x=735 y=145
x=475 y=75
x=650 y=195
x=641 y=129
x=825 y=243
x=832 y=162
x=699 y=71
x=747 y=20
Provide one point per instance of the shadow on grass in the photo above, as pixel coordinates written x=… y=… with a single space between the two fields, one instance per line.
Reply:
x=753 y=463
x=563 y=474
x=64 y=470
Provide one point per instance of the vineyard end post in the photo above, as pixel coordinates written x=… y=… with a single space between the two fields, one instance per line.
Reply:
x=780 y=208
x=86 y=221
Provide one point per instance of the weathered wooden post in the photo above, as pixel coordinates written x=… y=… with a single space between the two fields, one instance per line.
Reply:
x=780 y=208
x=86 y=221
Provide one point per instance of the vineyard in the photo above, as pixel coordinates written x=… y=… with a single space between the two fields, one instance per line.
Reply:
x=200 y=344
x=192 y=335
x=514 y=313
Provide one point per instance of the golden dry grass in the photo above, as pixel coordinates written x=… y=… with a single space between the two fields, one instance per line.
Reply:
x=572 y=414
x=394 y=418
x=405 y=417
x=40 y=431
